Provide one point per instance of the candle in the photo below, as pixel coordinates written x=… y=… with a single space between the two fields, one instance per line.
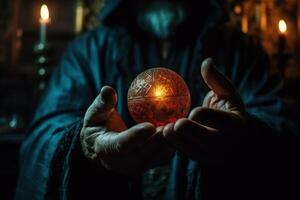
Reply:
x=79 y=16
x=282 y=27
x=282 y=40
x=263 y=16
x=245 y=26
x=44 y=20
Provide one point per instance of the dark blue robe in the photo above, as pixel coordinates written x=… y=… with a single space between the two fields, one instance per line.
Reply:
x=52 y=165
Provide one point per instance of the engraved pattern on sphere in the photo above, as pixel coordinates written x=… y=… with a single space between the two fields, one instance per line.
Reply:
x=159 y=96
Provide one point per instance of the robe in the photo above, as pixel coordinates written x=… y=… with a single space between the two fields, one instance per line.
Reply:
x=52 y=165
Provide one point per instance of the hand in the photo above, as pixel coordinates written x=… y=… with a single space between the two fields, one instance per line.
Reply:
x=211 y=131
x=106 y=139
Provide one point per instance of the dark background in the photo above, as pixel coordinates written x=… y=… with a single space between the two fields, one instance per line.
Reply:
x=22 y=77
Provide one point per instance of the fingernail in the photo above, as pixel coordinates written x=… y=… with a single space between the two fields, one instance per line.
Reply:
x=169 y=126
x=159 y=129
x=207 y=61
x=180 y=125
x=168 y=129
x=146 y=126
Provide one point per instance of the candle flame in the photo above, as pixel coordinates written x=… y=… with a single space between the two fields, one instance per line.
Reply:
x=44 y=13
x=237 y=9
x=282 y=26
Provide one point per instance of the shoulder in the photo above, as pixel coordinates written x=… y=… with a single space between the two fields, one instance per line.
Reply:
x=89 y=46
x=95 y=41
x=90 y=39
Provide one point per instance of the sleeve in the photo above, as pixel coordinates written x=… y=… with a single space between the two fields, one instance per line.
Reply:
x=62 y=106
x=272 y=148
x=51 y=162
x=263 y=92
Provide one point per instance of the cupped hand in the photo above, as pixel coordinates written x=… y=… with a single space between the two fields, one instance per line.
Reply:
x=211 y=131
x=105 y=138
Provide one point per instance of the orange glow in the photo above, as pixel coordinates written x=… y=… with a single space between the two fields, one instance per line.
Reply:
x=237 y=9
x=160 y=91
x=159 y=96
x=245 y=24
x=263 y=17
x=282 y=26
x=44 y=12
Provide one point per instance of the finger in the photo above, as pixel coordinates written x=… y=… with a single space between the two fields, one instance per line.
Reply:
x=135 y=137
x=169 y=133
x=171 y=136
x=178 y=139
x=153 y=153
x=102 y=106
x=193 y=131
x=110 y=145
x=159 y=130
x=216 y=81
x=157 y=151
x=182 y=143
x=155 y=144
x=217 y=119
x=208 y=99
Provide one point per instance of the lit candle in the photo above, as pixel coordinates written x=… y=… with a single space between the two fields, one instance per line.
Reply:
x=44 y=20
x=282 y=40
x=79 y=16
x=237 y=9
x=282 y=27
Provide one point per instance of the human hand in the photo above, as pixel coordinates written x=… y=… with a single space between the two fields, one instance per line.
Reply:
x=210 y=133
x=106 y=139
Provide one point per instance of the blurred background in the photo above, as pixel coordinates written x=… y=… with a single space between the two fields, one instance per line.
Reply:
x=34 y=34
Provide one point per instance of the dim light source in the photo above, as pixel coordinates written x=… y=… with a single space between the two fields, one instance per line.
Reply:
x=237 y=9
x=44 y=12
x=79 y=17
x=245 y=25
x=282 y=26
x=44 y=21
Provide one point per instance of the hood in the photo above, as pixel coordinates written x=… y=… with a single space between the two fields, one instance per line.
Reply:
x=116 y=12
x=109 y=7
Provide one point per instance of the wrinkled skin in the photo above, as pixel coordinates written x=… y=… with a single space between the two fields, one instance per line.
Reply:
x=210 y=130
x=131 y=151
x=51 y=161
x=106 y=139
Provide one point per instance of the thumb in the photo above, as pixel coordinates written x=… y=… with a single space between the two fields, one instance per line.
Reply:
x=102 y=107
x=216 y=81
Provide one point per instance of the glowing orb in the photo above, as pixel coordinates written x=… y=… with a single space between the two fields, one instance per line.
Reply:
x=159 y=96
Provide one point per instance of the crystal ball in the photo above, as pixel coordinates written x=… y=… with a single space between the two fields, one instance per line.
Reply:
x=159 y=96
